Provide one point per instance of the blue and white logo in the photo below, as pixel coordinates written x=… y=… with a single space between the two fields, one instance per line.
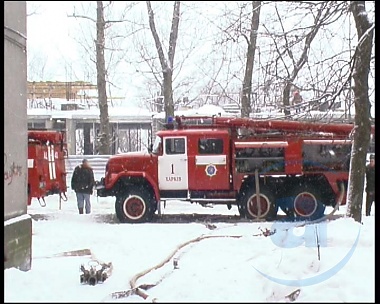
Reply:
x=210 y=170
x=286 y=237
x=308 y=239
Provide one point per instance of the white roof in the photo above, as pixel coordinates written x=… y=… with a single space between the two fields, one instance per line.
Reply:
x=113 y=112
x=206 y=110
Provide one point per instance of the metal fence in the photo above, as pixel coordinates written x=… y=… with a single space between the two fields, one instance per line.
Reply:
x=97 y=162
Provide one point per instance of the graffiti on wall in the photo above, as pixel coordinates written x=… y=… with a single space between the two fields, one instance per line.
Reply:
x=11 y=169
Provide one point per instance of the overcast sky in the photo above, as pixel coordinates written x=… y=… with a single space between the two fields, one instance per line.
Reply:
x=48 y=33
x=55 y=54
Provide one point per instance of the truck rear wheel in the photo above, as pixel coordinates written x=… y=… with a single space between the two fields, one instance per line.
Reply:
x=262 y=208
x=134 y=206
x=307 y=203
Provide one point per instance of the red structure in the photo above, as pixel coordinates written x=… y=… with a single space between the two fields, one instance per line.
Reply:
x=46 y=164
x=259 y=165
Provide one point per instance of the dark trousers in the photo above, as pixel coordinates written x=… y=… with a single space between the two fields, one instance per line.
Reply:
x=369 y=200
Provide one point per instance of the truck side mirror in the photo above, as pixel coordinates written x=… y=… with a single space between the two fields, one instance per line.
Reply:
x=150 y=148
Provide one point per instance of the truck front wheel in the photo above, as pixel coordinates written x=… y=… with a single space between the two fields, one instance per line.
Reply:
x=134 y=206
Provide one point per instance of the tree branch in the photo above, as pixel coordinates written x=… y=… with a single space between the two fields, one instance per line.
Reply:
x=173 y=33
x=82 y=16
x=157 y=41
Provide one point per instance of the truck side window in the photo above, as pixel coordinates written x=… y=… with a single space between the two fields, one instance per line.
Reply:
x=175 y=146
x=210 y=146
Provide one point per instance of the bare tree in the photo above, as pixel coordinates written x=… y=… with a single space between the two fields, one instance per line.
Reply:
x=102 y=66
x=37 y=66
x=182 y=83
x=154 y=101
x=246 y=108
x=286 y=53
x=104 y=134
x=229 y=66
x=215 y=86
x=32 y=8
x=36 y=61
x=166 y=63
x=362 y=128
x=296 y=48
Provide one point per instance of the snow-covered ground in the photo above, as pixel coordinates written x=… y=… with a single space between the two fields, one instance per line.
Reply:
x=231 y=262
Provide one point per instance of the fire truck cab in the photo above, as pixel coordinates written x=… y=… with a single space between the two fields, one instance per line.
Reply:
x=46 y=165
x=258 y=165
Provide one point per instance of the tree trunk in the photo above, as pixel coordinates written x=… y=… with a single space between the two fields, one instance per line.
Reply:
x=286 y=98
x=104 y=134
x=362 y=129
x=159 y=101
x=166 y=64
x=246 y=107
x=168 y=94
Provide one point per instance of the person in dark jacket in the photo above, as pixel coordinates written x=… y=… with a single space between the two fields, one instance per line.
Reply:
x=83 y=182
x=297 y=99
x=370 y=188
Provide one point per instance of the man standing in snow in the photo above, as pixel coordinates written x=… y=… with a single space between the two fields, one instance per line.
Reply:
x=83 y=182
x=370 y=188
x=297 y=99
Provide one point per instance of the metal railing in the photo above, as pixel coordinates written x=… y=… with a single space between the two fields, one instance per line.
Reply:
x=97 y=162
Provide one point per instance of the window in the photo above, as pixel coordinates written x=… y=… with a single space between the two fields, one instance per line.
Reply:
x=210 y=146
x=175 y=146
x=36 y=125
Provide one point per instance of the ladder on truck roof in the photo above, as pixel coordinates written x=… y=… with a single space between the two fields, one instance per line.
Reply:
x=264 y=125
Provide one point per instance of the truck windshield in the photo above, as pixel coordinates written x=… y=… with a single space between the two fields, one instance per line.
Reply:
x=157 y=145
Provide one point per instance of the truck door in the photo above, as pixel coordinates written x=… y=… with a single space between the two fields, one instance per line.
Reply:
x=210 y=163
x=172 y=165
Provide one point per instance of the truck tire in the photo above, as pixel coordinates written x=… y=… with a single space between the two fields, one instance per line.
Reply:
x=307 y=203
x=249 y=207
x=240 y=210
x=134 y=206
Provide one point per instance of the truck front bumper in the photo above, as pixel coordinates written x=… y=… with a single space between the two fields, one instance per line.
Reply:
x=101 y=189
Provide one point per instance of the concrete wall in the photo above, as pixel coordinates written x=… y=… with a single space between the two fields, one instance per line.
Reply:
x=17 y=223
x=70 y=136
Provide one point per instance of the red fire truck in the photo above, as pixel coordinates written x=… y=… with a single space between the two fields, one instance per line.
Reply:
x=259 y=165
x=46 y=165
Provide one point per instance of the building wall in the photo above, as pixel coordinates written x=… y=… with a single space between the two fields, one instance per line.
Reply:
x=17 y=223
x=57 y=89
